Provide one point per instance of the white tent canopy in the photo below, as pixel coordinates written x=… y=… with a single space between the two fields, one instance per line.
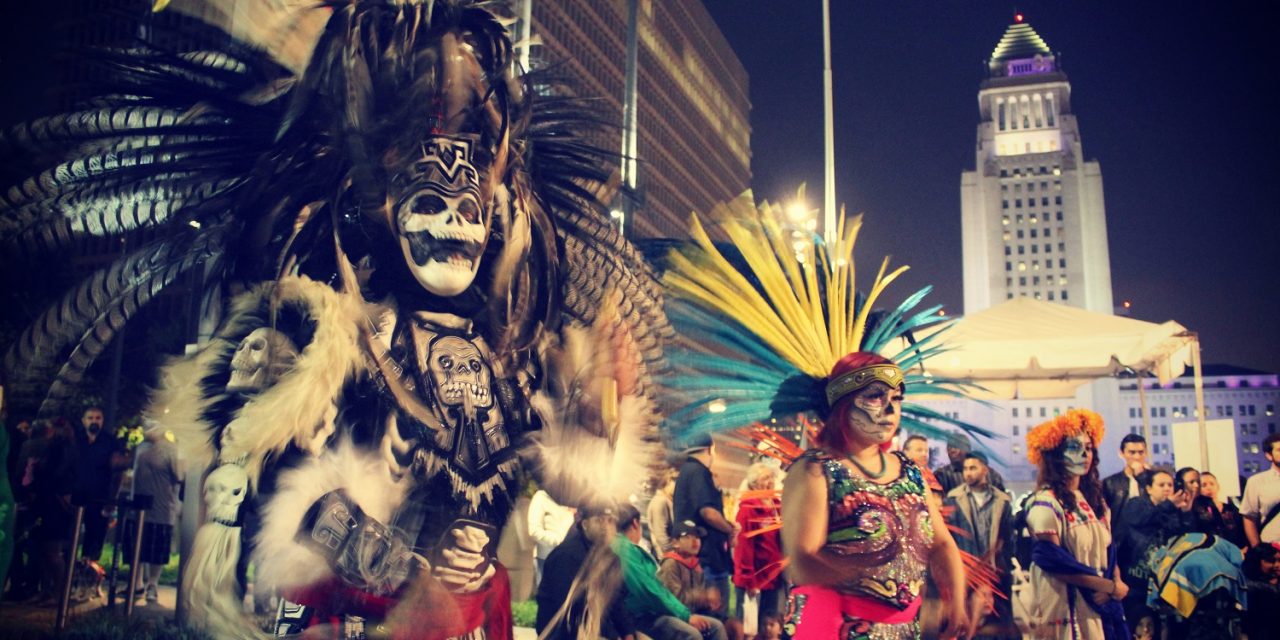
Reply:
x=1027 y=348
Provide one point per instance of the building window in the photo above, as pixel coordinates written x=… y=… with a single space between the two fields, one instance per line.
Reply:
x=1019 y=234
x=1021 y=250
x=1022 y=281
x=1050 y=296
x=1008 y=282
x=1035 y=248
x=1042 y=411
x=1033 y=233
x=1008 y=266
x=1062 y=262
x=1035 y=281
x=1008 y=250
x=1004 y=220
x=1017 y=202
x=1005 y=204
x=1064 y=295
x=1022 y=266
x=1047 y=247
x=1044 y=201
x=1059 y=216
x=1018 y=218
x=1046 y=234
x=1015 y=431
x=1057 y=199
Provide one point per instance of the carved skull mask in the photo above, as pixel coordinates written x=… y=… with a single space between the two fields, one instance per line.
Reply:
x=460 y=374
x=224 y=493
x=261 y=358
x=440 y=219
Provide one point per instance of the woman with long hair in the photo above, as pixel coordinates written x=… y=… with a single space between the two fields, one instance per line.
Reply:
x=1208 y=519
x=1145 y=523
x=856 y=524
x=1078 y=587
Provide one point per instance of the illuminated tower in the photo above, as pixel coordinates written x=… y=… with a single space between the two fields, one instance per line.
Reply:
x=1033 y=219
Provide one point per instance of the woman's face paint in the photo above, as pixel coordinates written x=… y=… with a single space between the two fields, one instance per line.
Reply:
x=1078 y=455
x=875 y=413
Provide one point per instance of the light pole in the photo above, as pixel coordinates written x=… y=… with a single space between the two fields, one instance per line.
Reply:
x=829 y=170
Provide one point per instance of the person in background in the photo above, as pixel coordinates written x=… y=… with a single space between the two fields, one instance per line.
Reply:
x=681 y=574
x=1148 y=521
x=1207 y=517
x=1078 y=589
x=1232 y=522
x=951 y=475
x=660 y=512
x=1262 y=573
x=157 y=473
x=916 y=447
x=549 y=522
x=757 y=555
x=8 y=507
x=53 y=480
x=585 y=544
x=657 y=612
x=95 y=479
x=1122 y=485
x=1260 y=505
x=770 y=628
x=983 y=515
x=697 y=498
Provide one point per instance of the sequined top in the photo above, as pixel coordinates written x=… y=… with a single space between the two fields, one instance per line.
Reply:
x=882 y=529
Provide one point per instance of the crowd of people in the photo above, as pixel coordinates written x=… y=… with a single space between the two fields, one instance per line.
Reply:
x=55 y=468
x=1092 y=547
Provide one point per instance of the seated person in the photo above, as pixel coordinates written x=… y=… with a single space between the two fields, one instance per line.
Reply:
x=681 y=574
x=585 y=545
x=1262 y=570
x=658 y=613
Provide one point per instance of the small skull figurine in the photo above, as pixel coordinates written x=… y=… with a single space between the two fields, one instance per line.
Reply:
x=224 y=493
x=460 y=374
x=260 y=359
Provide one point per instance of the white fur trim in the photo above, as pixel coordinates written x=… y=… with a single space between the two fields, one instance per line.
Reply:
x=178 y=401
x=576 y=467
x=209 y=588
x=284 y=563
x=293 y=411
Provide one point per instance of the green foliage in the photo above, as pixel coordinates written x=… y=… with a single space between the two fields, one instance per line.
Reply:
x=524 y=614
x=168 y=576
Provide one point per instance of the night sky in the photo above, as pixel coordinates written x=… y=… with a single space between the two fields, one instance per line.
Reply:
x=1170 y=98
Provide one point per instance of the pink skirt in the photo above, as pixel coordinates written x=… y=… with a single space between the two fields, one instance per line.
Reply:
x=822 y=613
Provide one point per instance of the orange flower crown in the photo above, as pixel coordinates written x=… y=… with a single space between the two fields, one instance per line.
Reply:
x=1048 y=435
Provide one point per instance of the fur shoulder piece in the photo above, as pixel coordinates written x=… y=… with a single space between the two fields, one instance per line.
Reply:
x=270 y=377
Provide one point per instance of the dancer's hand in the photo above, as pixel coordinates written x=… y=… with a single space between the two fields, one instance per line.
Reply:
x=701 y=623
x=463 y=565
x=957 y=623
x=1121 y=590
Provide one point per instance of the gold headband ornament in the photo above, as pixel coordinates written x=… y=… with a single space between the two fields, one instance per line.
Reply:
x=852 y=381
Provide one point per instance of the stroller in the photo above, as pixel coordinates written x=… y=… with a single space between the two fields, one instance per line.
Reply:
x=1197 y=587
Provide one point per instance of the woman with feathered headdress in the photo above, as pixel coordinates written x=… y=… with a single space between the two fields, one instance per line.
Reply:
x=856 y=525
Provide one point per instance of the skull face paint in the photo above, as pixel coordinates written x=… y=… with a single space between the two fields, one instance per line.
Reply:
x=440 y=220
x=224 y=492
x=260 y=359
x=875 y=413
x=1077 y=453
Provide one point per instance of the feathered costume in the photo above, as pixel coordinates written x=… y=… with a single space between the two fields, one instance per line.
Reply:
x=427 y=300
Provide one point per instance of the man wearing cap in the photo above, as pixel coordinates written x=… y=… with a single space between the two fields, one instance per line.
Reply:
x=698 y=500
x=681 y=573
x=951 y=475
x=586 y=544
x=658 y=613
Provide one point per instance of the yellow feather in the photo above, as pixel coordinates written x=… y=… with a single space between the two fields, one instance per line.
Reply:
x=789 y=311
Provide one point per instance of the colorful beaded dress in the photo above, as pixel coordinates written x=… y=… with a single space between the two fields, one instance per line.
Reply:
x=884 y=531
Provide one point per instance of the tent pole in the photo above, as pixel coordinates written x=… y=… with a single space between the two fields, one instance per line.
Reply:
x=1199 y=378
x=1146 y=420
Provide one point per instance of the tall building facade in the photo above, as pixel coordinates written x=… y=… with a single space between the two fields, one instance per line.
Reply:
x=694 y=142
x=1033 y=219
x=1034 y=224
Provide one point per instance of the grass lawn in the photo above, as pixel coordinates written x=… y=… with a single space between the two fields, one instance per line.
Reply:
x=168 y=576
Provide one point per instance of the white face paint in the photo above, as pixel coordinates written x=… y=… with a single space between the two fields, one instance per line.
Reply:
x=441 y=223
x=1078 y=455
x=875 y=413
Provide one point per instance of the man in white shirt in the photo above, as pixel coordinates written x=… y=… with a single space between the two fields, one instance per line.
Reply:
x=1261 y=503
x=548 y=524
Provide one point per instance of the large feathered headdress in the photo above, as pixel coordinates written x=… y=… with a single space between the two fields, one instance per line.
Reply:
x=779 y=309
x=237 y=160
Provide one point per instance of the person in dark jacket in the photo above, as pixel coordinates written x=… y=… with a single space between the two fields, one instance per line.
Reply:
x=95 y=479
x=585 y=548
x=1119 y=487
x=951 y=475
x=1147 y=522
x=697 y=498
